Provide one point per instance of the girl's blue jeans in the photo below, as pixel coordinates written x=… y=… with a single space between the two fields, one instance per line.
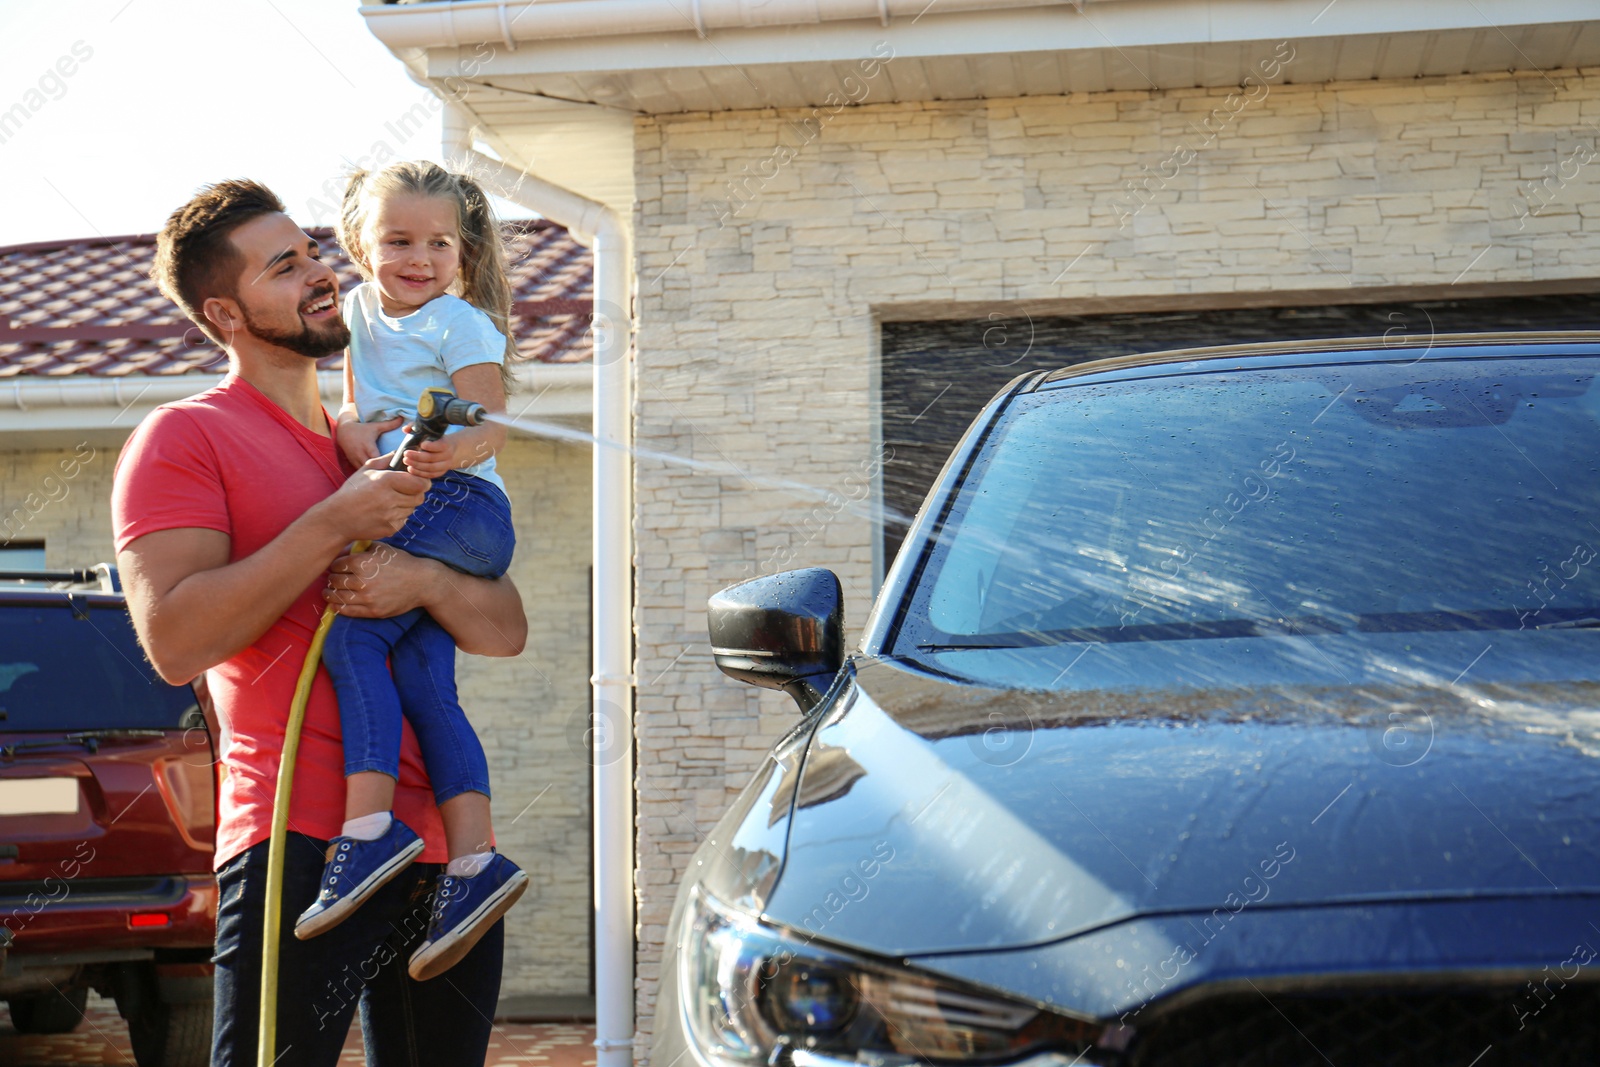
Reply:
x=384 y=669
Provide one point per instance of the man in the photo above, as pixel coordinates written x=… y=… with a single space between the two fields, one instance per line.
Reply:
x=233 y=511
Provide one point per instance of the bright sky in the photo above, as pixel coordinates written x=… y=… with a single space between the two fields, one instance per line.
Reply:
x=177 y=93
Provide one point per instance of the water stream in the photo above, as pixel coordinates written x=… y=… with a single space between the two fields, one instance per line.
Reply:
x=801 y=490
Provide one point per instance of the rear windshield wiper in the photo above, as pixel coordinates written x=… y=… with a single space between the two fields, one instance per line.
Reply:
x=89 y=739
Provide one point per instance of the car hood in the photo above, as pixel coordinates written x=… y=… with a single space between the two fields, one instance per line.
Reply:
x=933 y=817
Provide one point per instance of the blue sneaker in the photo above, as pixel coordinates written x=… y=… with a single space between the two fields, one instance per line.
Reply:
x=463 y=911
x=355 y=870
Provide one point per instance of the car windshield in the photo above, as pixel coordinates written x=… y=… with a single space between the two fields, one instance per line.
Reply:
x=1383 y=498
x=65 y=670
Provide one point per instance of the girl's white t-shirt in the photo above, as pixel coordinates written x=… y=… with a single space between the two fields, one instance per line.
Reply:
x=392 y=360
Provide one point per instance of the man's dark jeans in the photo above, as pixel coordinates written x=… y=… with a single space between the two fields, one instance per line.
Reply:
x=442 y=1022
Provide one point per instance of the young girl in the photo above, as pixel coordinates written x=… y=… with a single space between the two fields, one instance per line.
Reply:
x=416 y=231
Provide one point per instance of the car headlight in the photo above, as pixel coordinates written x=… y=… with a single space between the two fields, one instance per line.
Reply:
x=752 y=993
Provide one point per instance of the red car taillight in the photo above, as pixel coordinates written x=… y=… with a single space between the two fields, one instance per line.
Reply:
x=186 y=786
x=141 y=920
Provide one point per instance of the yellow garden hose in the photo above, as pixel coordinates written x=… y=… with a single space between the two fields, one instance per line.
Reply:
x=267 y=1033
x=437 y=410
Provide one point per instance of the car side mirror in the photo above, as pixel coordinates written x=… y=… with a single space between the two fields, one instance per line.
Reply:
x=781 y=631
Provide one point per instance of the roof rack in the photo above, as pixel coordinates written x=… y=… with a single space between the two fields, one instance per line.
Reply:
x=103 y=575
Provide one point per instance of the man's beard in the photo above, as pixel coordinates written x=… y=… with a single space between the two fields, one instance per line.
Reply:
x=305 y=341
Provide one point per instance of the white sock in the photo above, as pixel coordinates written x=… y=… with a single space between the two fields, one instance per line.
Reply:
x=367 y=827
x=469 y=865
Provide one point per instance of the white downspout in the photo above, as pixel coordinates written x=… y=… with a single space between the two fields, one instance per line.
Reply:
x=602 y=229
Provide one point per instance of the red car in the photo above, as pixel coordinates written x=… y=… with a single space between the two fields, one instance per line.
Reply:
x=107 y=820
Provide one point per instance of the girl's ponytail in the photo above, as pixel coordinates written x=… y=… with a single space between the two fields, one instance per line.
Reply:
x=352 y=218
x=484 y=284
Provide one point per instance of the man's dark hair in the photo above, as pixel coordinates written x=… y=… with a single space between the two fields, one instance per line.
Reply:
x=195 y=255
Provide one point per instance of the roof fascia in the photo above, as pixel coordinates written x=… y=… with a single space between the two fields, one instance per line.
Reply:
x=41 y=411
x=581 y=36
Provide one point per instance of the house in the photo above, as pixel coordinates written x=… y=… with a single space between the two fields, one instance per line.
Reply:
x=88 y=347
x=851 y=222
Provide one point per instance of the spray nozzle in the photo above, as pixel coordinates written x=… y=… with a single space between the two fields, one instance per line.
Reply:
x=437 y=410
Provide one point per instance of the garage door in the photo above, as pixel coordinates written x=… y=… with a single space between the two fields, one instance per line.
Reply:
x=938 y=375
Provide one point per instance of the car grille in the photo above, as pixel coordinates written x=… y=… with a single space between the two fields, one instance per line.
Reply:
x=1467 y=1028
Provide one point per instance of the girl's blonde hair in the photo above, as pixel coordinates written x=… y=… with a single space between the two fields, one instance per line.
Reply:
x=482 y=279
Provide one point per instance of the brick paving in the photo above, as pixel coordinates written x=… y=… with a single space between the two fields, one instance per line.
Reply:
x=103 y=1040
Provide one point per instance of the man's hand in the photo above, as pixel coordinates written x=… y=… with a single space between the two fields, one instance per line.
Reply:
x=359 y=440
x=374 y=502
x=484 y=615
x=379 y=583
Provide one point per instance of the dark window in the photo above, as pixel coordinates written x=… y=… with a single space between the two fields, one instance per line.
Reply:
x=938 y=375
x=66 y=669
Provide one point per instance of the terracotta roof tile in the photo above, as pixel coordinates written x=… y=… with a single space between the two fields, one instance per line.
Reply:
x=113 y=321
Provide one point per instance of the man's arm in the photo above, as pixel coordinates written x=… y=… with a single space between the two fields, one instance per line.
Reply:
x=484 y=615
x=193 y=609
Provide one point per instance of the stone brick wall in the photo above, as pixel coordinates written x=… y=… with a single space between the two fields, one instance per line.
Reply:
x=764 y=270
x=61 y=497
x=530 y=711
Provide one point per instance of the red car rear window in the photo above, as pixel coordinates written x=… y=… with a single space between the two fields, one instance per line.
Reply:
x=62 y=669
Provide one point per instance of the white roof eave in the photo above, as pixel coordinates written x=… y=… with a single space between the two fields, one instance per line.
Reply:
x=49 y=412
x=576 y=37
x=446 y=24
x=540 y=74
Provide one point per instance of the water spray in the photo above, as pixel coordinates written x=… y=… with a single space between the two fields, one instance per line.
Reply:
x=801 y=490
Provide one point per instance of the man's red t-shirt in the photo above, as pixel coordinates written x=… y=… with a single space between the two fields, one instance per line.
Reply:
x=229 y=459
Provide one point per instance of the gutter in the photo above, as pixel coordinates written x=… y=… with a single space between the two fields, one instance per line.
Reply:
x=50 y=412
x=31 y=392
x=553 y=390
x=433 y=25
x=611 y=724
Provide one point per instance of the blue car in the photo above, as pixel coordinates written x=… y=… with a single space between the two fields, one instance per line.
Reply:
x=1223 y=707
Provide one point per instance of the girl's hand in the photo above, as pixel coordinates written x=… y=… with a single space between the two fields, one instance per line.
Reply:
x=433 y=459
x=359 y=440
